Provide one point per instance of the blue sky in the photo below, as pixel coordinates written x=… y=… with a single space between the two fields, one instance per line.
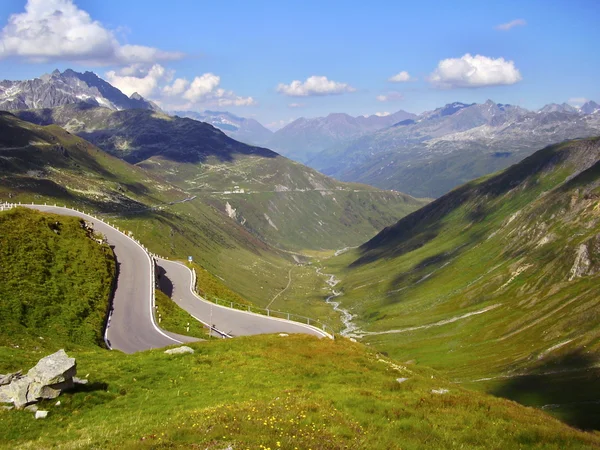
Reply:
x=244 y=56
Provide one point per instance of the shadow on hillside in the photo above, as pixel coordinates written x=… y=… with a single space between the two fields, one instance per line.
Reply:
x=149 y=134
x=424 y=270
x=164 y=283
x=181 y=140
x=567 y=387
x=425 y=224
x=90 y=387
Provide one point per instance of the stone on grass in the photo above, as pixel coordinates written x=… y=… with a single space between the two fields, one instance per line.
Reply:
x=31 y=408
x=283 y=334
x=440 y=391
x=41 y=414
x=80 y=380
x=401 y=380
x=52 y=375
x=179 y=350
x=53 y=369
x=16 y=392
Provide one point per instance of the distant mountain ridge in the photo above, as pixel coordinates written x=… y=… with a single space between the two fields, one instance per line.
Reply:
x=63 y=88
x=241 y=129
x=282 y=202
x=438 y=150
x=304 y=138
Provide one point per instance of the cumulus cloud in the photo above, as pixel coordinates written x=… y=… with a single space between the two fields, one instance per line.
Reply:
x=52 y=30
x=392 y=96
x=133 y=79
x=474 y=71
x=315 y=85
x=401 y=77
x=178 y=87
x=205 y=89
x=159 y=84
x=513 y=23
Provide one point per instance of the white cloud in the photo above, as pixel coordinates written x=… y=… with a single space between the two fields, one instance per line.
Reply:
x=382 y=114
x=51 y=30
x=205 y=89
x=177 y=88
x=513 y=23
x=156 y=83
x=201 y=87
x=295 y=105
x=315 y=85
x=144 y=84
x=474 y=71
x=392 y=96
x=577 y=101
x=401 y=77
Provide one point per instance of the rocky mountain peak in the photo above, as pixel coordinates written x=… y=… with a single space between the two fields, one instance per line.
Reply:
x=56 y=89
x=590 y=107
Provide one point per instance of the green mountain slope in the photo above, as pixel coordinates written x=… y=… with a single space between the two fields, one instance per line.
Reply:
x=282 y=202
x=275 y=392
x=55 y=279
x=497 y=278
x=48 y=164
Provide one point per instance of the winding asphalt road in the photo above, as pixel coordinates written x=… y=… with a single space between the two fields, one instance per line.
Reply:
x=132 y=327
x=233 y=322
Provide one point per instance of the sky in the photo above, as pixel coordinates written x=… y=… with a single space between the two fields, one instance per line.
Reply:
x=276 y=61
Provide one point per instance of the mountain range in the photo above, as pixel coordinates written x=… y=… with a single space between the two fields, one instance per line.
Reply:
x=304 y=138
x=424 y=155
x=441 y=149
x=284 y=203
x=56 y=89
x=494 y=283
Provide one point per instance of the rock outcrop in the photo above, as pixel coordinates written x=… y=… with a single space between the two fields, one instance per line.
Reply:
x=51 y=376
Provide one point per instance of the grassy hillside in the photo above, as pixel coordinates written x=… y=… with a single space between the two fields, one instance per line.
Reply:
x=48 y=164
x=273 y=392
x=281 y=202
x=55 y=280
x=498 y=278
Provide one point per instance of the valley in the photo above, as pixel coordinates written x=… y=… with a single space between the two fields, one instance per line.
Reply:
x=489 y=283
x=370 y=279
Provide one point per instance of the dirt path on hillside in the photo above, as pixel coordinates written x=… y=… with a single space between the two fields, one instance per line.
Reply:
x=283 y=290
x=424 y=327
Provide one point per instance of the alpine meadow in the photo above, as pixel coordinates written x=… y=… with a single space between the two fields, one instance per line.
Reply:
x=299 y=225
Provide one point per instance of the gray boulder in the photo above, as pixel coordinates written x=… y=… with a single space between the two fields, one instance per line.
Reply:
x=53 y=369
x=51 y=376
x=179 y=350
